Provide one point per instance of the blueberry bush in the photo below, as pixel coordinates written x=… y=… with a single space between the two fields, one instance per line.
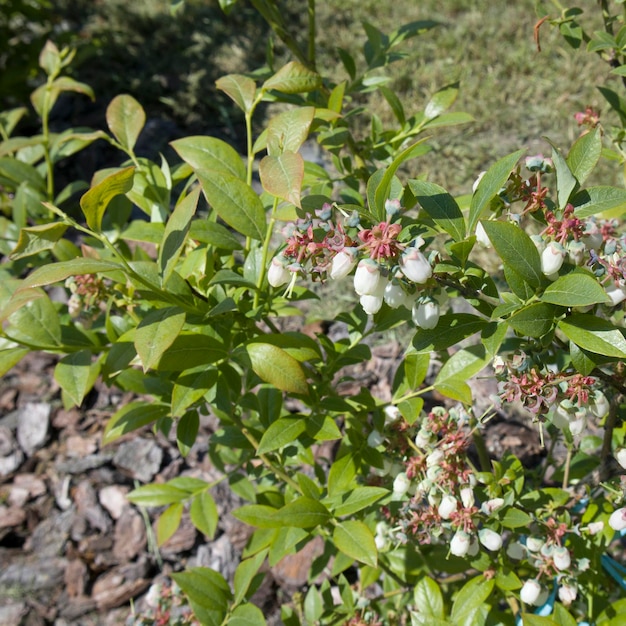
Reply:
x=179 y=280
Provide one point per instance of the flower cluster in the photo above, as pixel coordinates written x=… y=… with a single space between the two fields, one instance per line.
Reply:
x=567 y=398
x=88 y=292
x=388 y=269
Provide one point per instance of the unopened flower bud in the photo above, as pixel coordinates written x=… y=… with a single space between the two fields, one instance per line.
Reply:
x=562 y=559
x=616 y=293
x=392 y=414
x=375 y=439
x=426 y=314
x=342 y=263
x=490 y=539
x=371 y=304
x=595 y=527
x=600 y=405
x=367 y=277
x=552 y=259
x=415 y=266
x=577 y=426
x=278 y=274
x=392 y=207
x=394 y=295
x=434 y=458
x=447 y=506
x=617 y=521
x=477 y=181
x=577 y=252
x=467 y=496
x=567 y=594
x=492 y=505
x=530 y=592
x=460 y=543
x=422 y=439
x=534 y=544
x=515 y=551
x=620 y=457
x=401 y=484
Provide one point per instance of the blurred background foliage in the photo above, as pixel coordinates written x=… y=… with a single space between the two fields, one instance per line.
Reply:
x=170 y=63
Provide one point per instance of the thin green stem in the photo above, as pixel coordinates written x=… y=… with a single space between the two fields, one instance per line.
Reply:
x=566 y=470
x=45 y=130
x=264 y=252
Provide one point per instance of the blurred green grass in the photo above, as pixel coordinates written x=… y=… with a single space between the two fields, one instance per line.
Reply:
x=516 y=94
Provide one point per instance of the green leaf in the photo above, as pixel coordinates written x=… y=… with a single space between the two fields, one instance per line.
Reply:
x=441 y=207
x=581 y=360
x=245 y=572
x=533 y=321
x=281 y=433
x=235 y=202
x=187 y=431
x=14 y=172
x=358 y=499
x=273 y=365
x=36 y=324
x=125 y=119
x=240 y=89
x=214 y=234
x=458 y=369
x=97 y=199
x=11 y=357
x=191 y=350
x=203 y=514
x=156 y=495
x=209 y=153
x=441 y=101
x=293 y=78
x=594 y=334
x=58 y=272
x=190 y=387
x=132 y=417
x=175 y=235
x=578 y=288
x=156 y=333
x=259 y=515
x=247 y=615
x=565 y=180
x=356 y=540
x=341 y=475
x=76 y=374
x=584 y=155
x=489 y=187
x=452 y=328
x=302 y=513
x=516 y=249
x=287 y=131
x=608 y=201
x=471 y=596
x=282 y=176
x=36 y=239
x=515 y=518
x=384 y=188
x=205 y=587
x=168 y=522
x=428 y=598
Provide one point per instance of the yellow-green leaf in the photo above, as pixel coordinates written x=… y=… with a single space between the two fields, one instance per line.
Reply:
x=273 y=365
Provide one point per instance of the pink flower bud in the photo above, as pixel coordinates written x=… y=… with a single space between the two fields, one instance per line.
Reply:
x=426 y=314
x=490 y=539
x=342 y=263
x=617 y=521
x=530 y=592
x=562 y=559
x=447 y=506
x=278 y=274
x=415 y=266
x=460 y=543
x=552 y=259
x=367 y=278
